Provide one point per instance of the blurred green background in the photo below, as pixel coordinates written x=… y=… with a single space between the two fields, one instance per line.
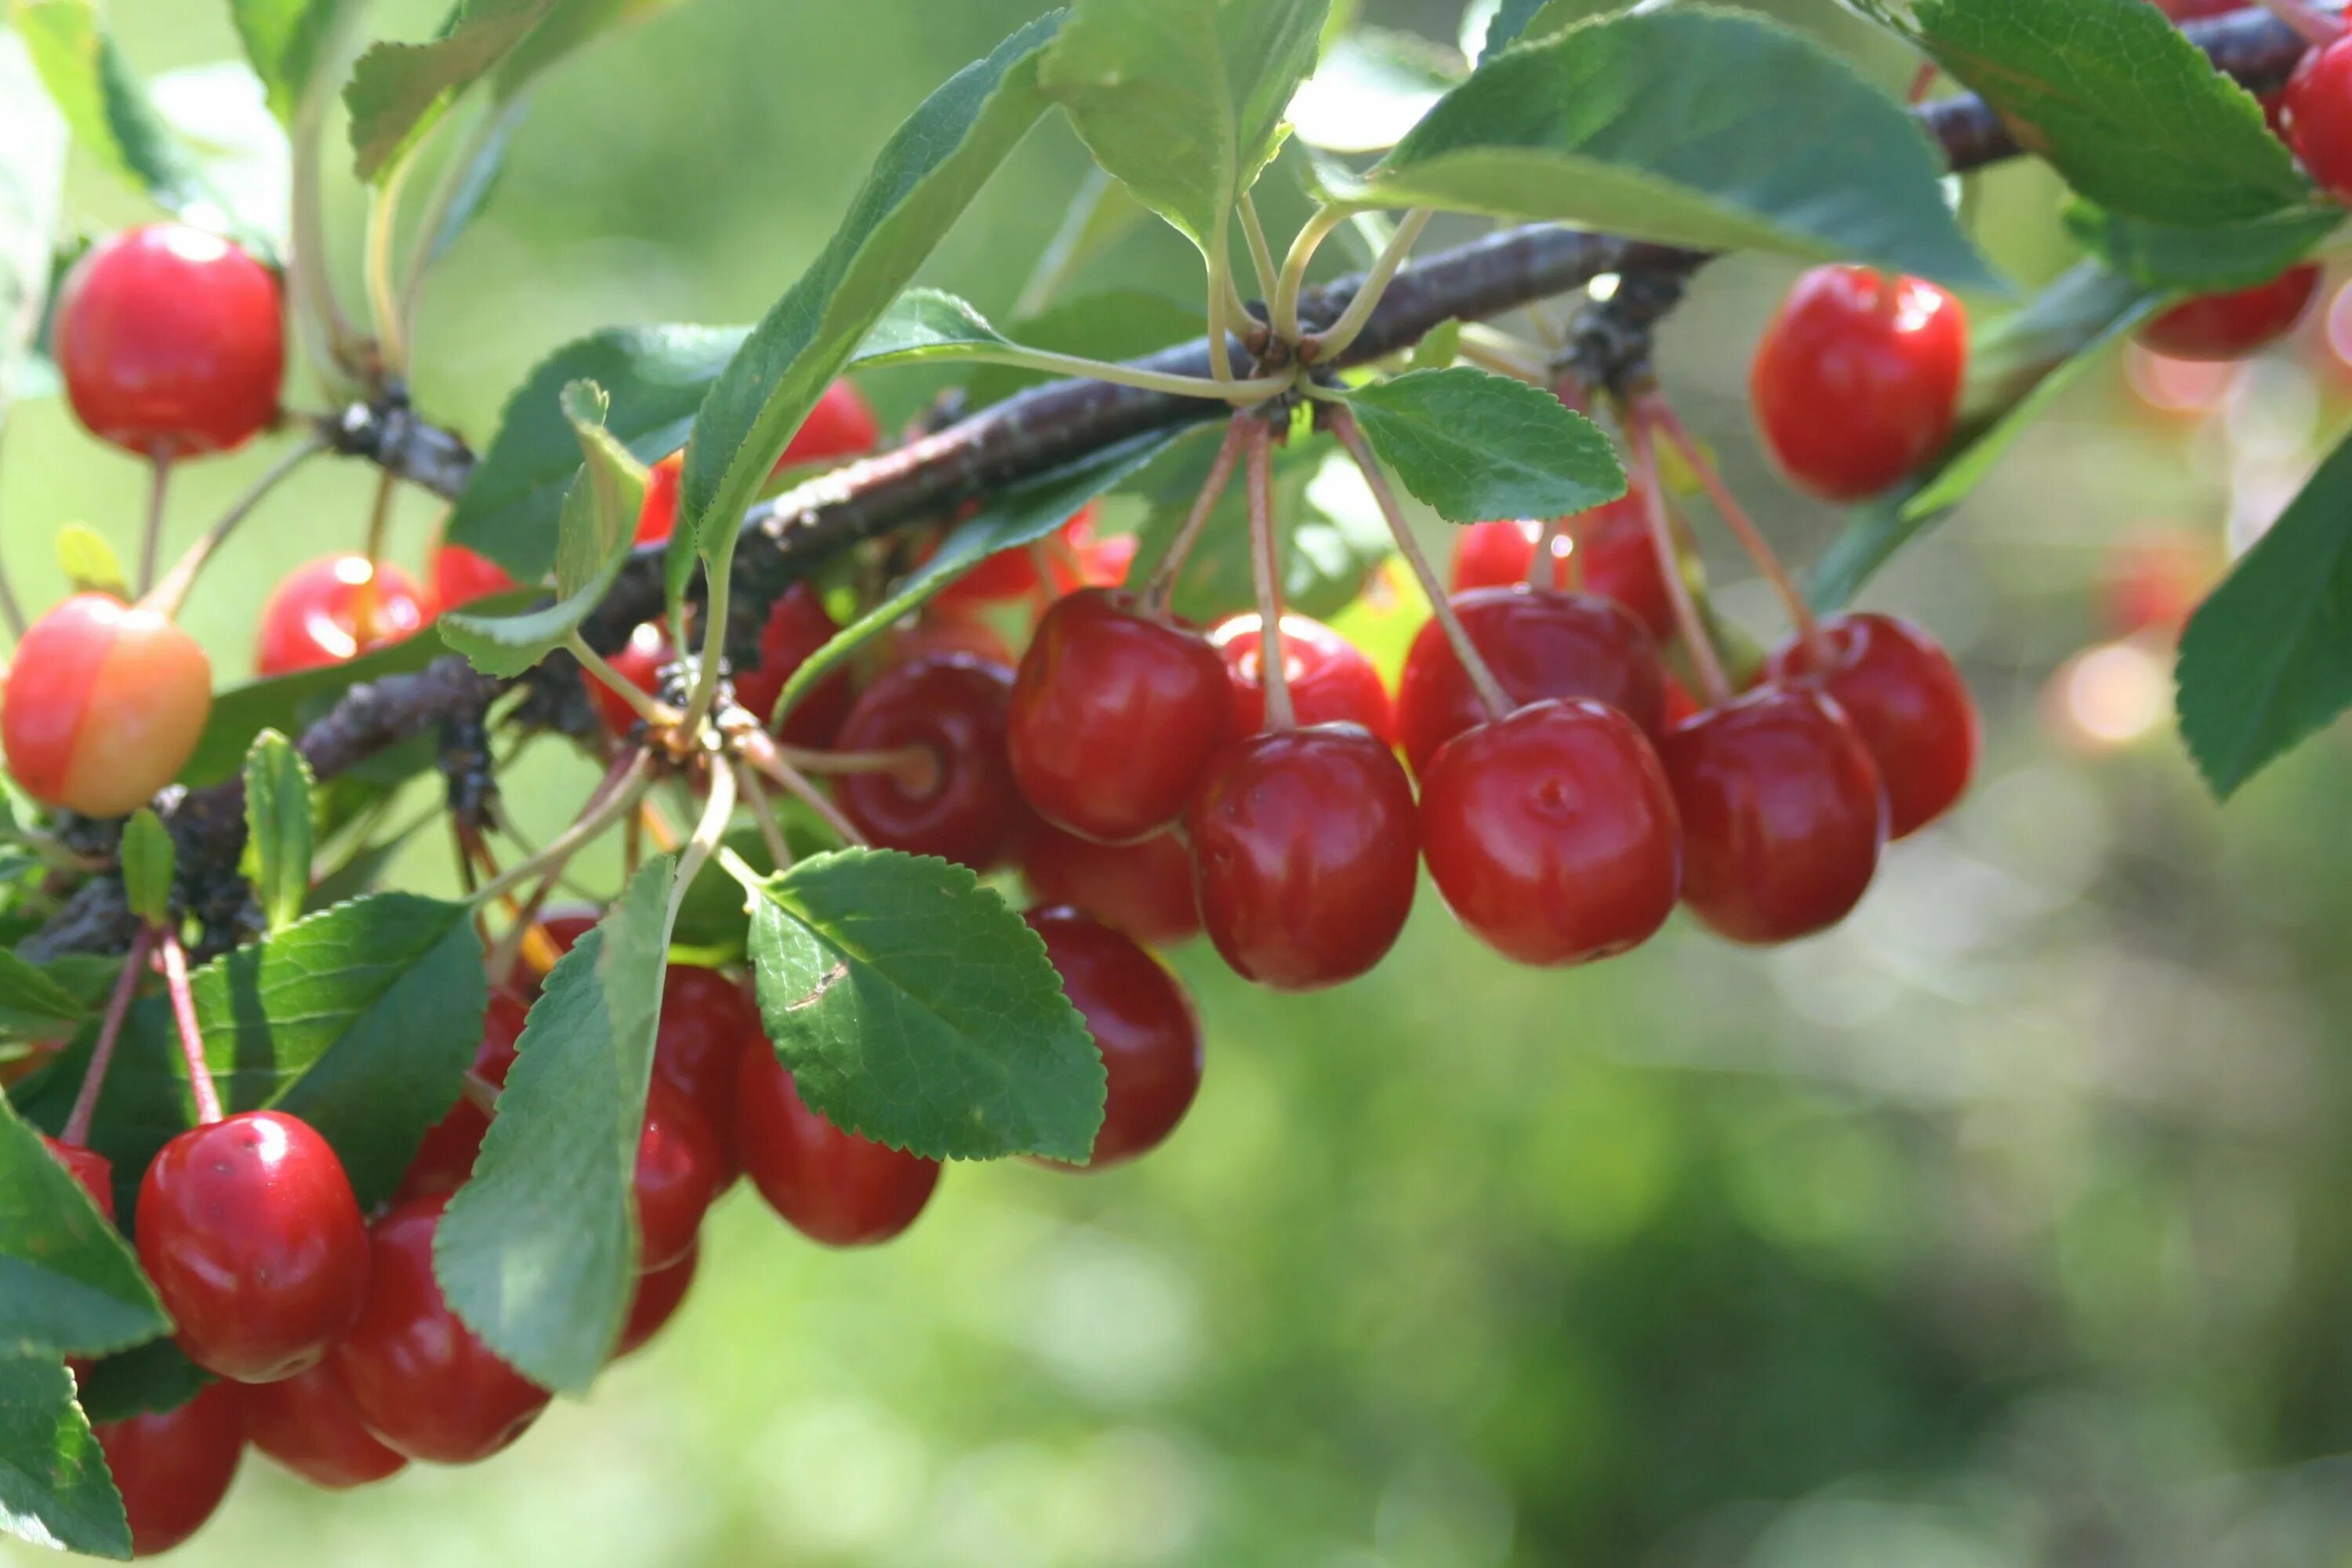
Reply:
x=2004 y=1225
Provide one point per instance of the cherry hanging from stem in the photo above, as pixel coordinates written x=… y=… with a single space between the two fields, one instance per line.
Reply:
x=183 y=1015
x=1265 y=572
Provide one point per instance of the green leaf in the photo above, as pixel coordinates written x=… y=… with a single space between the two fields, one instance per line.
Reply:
x=538 y=1252
x=915 y=1008
x=362 y=1020
x=398 y=90
x=149 y=858
x=285 y=41
x=278 y=821
x=1183 y=101
x=155 y=1377
x=293 y=702
x=55 y=1490
x=926 y=323
x=1477 y=446
x=1677 y=126
x=2263 y=662
x=1116 y=324
x=108 y=108
x=1020 y=515
x=34 y=1003
x=90 y=562
x=2117 y=98
x=1439 y=347
x=597 y=530
x=2205 y=259
x=1370 y=87
x=32 y=180
x=2020 y=366
x=68 y=1283
x=926 y=173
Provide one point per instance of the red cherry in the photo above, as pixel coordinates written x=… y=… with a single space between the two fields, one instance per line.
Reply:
x=1331 y=682
x=93 y=1170
x=1857 y=379
x=1782 y=814
x=1305 y=853
x=708 y=1021
x=2315 y=116
x=173 y=1468
x=1617 y=559
x=420 y=1380
x=657 y=1297
x=460 y=577
x=841 y=425
x=1010 y=575
x=679 y=1170
x=250 y=1232
x=1144 y=889
x=333 y=609
x=1539 y=643
x=1497 y=554
x=2196 y=10
x=307 y=1423
x=832 y=1186
x=105 y=703
x=1552 y=832
x=445 y=1159
x=797 y=627
x=640 y=664
x=171 y=342
x=565 y=925
x=1141 y=1021
x=2232 y=325
x=959 y=801
x=937 y=631
x=1114 y=717
x=1905 y=698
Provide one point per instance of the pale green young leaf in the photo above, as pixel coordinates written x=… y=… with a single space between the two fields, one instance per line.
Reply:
x=88 y=562
x=149 y=858
x=279 y=827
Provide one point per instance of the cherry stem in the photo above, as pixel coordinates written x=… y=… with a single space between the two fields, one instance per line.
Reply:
x=169 y=594
x=1658 y=412
x=1543 y=570
x=708 y=832
x=1221 y=287
x=1285 y=303
x=1503 y=354
x=192 y=1039
x=1160 y=586
x=109 y=1030
x=1261 y=254
x=760 y=752
x=1340 y=335
x=918 y=764
x=616 y=794
x=481 y=1093
x=1670 y=564
x=2313 y=27
x=1921 y=81
x=1497 y=700
x=1265 y=574
x=648 y=706
x=159 y=479
x=755 y=795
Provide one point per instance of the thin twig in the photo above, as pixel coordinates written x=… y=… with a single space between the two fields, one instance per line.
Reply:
x=761 y=754
x=167 y=597
x=1653 y=492
x=616 y=800
x=109 y=1030
x=150 y=549
x=1265 y=575
x=755 y=795
x=1341 y=334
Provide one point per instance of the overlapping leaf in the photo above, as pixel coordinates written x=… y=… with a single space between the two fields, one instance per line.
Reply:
x=54 y=1486
x=1476 y=446
x=397 y=90
x=68 y=1283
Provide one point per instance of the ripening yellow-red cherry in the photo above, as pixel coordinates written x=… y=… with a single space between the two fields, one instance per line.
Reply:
x=104 y=705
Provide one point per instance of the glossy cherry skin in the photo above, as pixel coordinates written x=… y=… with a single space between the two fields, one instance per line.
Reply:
x=2315 y=116
x=658 y=1298
x=1905 y=698
x=249 y=1230
x=1305 y=852
x=1331 y=682
x=92 y=1169
x=173 y=1468
x=460 y=576
x=840 y=427
x=422 y=1382
x=640 y=663
x=680 y=1169
x=1612 y=552
x=832 y=1186
x=1857 y=379
x=1782 y=814
x=333 y=609
x=446 y=1158
x=2230 y=326
x=307 y=1423
x=707 y=1023
x=1144 y=889
x=959 y=801
x=1114 y=717
x=798 y=624
x=1142 y=1022
x=1539 y=643
x=105 y=703
x=171 y=342
x=1552 y=833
